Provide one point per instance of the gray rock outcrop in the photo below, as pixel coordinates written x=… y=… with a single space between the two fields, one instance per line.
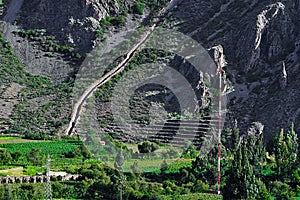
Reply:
x=257 y=36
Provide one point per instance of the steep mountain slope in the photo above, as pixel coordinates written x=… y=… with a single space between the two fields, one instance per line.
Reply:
x=72 y=22
x=257 y=37
x=45 y=50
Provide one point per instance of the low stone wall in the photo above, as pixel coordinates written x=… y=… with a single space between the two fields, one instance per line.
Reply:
x=35 y=179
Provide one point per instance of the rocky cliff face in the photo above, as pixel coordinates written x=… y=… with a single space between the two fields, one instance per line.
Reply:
x=45 y=27
x=257 y=37
x=36 y=30
x=72 y=22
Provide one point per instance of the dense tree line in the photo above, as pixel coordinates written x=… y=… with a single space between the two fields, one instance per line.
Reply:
x=250 y=170
x=257 y=172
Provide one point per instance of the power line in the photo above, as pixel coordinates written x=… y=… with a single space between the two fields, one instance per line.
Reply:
x=48 y=189
x=220 y=128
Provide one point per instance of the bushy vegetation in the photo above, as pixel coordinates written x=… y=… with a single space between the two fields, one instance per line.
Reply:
x=33 y=122
x=22 y=191
x=139 y=8
x=48 y=43
x=259 y=173
x=249 y=170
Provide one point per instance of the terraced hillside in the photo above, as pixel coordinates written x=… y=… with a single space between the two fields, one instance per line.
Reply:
x=256 y=41
x=44 y=53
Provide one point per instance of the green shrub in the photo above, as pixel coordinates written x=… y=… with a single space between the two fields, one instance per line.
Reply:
x=263 y=191
x=117 y=21
x=139 y=8
x=32 y=170
x=297 y=191
x=280 y=190
x=200 y=186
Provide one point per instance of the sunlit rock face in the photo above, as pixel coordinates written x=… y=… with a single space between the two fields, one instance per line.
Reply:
x=72 y=22
x=257 y=37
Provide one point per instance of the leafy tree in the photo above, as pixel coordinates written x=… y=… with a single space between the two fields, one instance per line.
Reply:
x=200 y=186
x=191 y=151
x=74 y=153
x=170 y=187
x=256 y=153
x=147 y=147
x=235 y=139
x=139 y=8
x=250 y=189
x=296 y=175
x=35 y=156
x=119 y=162
x=135 y=168
x=16 y=155
x=297 y=192
x=85 y=152
x=99 y=182
x=281 y=190
x=205 y=168
x=5 y=157
x=263 y=191
x=57 y=189
x=241 y=182
x=23 y=191
x=285 y=149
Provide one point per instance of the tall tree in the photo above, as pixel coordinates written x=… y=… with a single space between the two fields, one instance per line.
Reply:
x=250 y=189
x=256 y=153
x=285 y=149
x=241 y=182
x=119 y=162
x=235 y=136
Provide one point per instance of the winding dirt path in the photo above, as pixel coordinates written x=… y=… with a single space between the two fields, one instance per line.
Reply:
x=119 y=68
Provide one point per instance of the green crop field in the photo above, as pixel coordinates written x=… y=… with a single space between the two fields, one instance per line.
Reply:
x=56 y=149
x=53 y=148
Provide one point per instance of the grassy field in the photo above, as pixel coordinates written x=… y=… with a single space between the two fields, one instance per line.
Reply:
x=194 y=196
x=18 y=171
x=154 y=165
x=56 y=149
x=6 y=140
